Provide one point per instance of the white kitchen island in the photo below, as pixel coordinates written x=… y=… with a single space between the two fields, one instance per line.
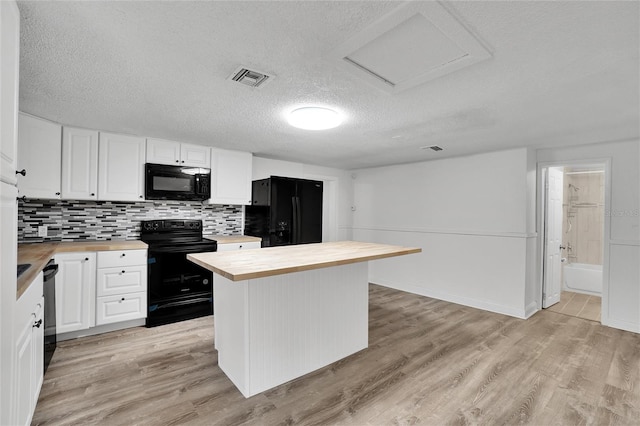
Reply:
x=283 y=312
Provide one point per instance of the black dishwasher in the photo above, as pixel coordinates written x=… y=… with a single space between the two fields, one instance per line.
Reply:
x=49 y=290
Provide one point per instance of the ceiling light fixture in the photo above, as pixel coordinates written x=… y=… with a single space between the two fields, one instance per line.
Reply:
x=314 y=118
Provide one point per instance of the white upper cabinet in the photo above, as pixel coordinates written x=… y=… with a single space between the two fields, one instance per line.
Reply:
x=40 y=155
x=177 y=154
x=195 y=155
x=121 y=167
x=231 y=173
x=9 y=66
x=163 y=152
x=79 y=164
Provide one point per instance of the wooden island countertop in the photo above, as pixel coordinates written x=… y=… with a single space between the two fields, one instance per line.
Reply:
x=265 y=262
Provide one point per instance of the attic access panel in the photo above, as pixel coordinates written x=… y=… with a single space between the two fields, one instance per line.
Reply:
x=415 y=43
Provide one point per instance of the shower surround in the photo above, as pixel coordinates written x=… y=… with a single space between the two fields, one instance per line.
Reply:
x=583 y=214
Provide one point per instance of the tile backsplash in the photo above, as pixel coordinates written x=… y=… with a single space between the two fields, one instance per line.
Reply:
x=106 y=220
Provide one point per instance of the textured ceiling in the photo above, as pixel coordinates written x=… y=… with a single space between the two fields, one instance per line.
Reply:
x=561 y=73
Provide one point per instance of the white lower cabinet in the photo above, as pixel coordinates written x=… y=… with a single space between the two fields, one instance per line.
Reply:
x=121 y=280
x=29 y=351
x=75 y=291
x=238 y=246
x=94 y=289
x=121 y=286
x=125 y=307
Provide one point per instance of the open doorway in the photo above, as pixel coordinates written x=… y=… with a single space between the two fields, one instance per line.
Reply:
x=574 y=239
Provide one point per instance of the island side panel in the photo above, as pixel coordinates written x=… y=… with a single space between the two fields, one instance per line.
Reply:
x=303 y=321
x=231 y=334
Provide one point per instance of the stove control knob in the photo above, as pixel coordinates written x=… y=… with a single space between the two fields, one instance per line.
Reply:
x=205 y=281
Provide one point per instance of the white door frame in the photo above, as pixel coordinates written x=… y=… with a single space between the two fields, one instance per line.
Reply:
x=541 y=208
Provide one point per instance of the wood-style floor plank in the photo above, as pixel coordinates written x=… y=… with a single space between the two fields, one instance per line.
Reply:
x=428 y=362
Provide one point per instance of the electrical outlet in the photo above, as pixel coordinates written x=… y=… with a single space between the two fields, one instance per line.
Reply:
x=42 y=231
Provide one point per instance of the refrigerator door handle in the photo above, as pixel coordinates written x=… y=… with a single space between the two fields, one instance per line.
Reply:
x=294 y=227
x=298 y=220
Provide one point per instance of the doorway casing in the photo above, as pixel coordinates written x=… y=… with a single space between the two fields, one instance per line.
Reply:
x=542 y=169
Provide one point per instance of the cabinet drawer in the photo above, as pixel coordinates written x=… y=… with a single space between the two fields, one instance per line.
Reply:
x=109 y=259
x=238 y=246
x=124 y=279
x=110 y=309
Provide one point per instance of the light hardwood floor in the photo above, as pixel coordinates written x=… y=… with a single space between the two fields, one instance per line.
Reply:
x=579 y=305
x=428 y=362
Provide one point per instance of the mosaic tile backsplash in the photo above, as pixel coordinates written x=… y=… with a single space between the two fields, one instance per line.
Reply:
x=106 y=220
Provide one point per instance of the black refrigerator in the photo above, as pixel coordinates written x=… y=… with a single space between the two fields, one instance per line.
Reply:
x=285 y=211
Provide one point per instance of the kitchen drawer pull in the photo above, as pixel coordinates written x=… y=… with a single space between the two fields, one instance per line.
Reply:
x=123 y=271
x=22 y=172
x=37 y=324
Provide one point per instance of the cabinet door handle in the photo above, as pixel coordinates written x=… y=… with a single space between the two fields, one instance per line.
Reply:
x=93 y=194
x=177 y=161
x=122 y=300
x=57 y=193
x=22 y=172
x=183 y=161
x=86 y=259
x=124 y=254
x=139 y=196
x=123 y=271
x=37 y=324
x=23 y=198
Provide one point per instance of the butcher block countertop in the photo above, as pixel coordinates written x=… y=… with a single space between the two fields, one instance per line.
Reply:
x=38 y=254
x=258 y=263
x=231 y=239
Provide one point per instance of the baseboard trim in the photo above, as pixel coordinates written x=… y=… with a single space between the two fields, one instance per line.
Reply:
x=460 y=300
x=624 y=325
x=100 y=329
x=531 y=309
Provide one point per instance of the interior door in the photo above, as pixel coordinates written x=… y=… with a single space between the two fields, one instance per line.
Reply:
x=553 y=237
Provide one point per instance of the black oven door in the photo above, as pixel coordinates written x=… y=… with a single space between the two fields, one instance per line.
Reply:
x=172 y=275
x=178 y=289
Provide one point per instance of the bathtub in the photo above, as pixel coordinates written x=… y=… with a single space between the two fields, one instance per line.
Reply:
x=582 y=278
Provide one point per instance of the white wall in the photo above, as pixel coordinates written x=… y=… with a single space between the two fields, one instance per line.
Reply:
x=473 y=217
x=336 y=215
x=622 y=272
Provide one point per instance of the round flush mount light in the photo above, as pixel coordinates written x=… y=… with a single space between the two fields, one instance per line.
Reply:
x=314 y=118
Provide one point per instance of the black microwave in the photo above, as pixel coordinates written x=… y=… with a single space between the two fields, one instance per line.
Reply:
x=164 y=182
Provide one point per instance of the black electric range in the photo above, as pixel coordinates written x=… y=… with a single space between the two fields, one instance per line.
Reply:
x=177 y=288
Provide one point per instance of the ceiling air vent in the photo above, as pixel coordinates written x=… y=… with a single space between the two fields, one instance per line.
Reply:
x=250 y=78
x=433 y=148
